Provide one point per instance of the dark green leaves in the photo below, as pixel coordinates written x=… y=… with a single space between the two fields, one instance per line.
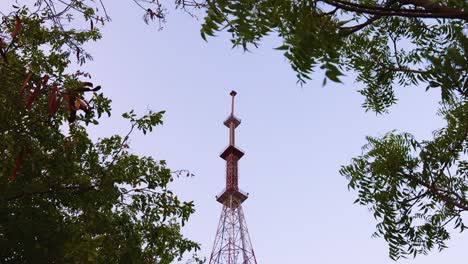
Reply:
x=383 y=50
x=65 y=198
x=147 y=122
x=310 y=38
x=415 y=189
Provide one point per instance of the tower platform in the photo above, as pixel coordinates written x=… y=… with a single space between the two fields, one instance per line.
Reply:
x=232 y=119
x=232 y=196
x=232 y=150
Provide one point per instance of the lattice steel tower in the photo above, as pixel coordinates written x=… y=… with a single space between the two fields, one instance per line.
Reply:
x=232 y=243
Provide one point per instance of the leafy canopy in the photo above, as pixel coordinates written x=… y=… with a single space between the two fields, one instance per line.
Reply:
x=416 y=189
x=64 y=197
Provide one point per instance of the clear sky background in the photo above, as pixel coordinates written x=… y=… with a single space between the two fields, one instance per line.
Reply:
x=295 y=138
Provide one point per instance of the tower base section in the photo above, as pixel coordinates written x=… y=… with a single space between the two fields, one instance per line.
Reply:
x=232 y=242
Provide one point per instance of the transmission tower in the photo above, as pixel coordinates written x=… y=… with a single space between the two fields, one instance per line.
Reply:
x=232 y=243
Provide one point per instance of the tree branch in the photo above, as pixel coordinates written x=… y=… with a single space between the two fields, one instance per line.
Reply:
x=444 y=12
x=122 y=145
x=463 y=204
x=353 y=29
x=404 y=69
x=429 y=5
x=356 y=28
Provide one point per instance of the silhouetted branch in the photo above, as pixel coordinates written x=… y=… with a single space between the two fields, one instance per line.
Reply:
x=439 y=12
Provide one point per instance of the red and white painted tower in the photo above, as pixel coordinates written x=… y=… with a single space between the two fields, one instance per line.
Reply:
x=232 y=243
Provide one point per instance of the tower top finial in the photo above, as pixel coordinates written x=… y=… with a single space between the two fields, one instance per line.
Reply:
x=233 y=94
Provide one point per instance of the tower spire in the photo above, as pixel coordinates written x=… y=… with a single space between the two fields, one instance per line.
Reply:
x=233 y=94
x=232 y=242
x=232 y=122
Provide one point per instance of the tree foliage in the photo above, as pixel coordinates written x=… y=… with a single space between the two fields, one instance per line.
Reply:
x=66 y=198
x=393 y=44
x=416 y=189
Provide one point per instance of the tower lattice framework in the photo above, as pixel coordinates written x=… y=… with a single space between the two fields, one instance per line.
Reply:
x=232 y=243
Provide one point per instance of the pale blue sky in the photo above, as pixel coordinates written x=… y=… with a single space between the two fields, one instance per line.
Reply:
x=295 y=138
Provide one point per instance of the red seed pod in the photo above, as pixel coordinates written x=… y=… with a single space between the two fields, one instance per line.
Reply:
x=18 y=164
x=17 y=28
x=45 y=79
x=33 y=96
x=25 y=83
x=53 y=100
